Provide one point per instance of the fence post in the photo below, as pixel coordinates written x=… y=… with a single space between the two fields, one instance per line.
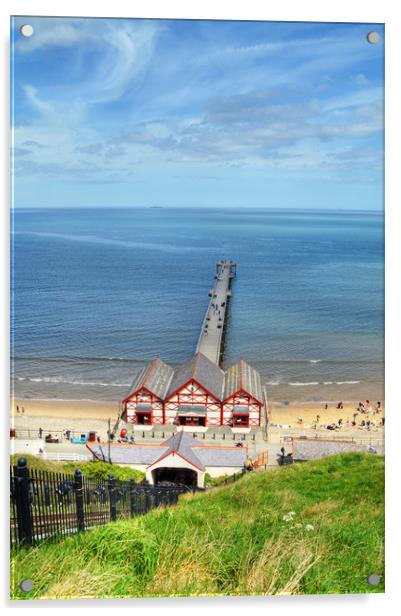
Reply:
x=147 y=495
x=112 y=498
x=79 y=499
x=132 y=495
x=22 y=501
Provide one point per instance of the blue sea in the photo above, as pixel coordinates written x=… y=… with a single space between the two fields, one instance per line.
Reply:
x=96 y=293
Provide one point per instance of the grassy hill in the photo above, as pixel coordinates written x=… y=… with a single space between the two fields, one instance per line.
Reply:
x=311 y=528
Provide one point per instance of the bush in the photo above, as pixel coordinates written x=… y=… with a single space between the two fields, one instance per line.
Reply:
x=92 y=470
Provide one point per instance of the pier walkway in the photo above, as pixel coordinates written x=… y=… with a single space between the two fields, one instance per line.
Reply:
x=211 y=337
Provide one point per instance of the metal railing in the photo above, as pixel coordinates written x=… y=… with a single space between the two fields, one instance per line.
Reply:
x=28 y=433
x=38 y=433
x=46 y=505
x=64 y=456
x=204 y=435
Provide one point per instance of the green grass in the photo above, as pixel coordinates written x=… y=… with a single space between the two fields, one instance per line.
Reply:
x=231 y=541
x=92 y=470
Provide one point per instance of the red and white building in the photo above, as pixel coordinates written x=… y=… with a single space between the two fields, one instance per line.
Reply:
x=144 y=404
x=243 y=397
x=196 y=394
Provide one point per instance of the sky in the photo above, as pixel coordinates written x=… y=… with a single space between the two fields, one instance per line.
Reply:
x=138 y=113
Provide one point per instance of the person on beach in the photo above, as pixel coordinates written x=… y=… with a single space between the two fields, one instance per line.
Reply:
x=326 y=406
x=317 y=418
x=340 y=405
x=40 y=432
x=22 y=410
x=17 y=408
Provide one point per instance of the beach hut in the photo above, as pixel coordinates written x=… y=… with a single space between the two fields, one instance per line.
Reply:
x=243 y=396
x=195 y=394
x=144 y=403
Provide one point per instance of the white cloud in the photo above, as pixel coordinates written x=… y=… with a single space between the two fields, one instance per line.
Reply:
x=129 y=51
x=32 y=96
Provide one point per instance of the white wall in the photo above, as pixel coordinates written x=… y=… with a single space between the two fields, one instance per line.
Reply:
x=175 y=461
x=32 y=446
x=220 y=471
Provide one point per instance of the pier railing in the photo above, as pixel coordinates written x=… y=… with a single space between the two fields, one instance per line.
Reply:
x=46 y=505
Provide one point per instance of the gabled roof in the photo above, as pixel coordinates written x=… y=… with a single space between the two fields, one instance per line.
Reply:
x=241 y=376
x=127 y=453
x=156 y=377
x=204 y=371
x=182 y=444
x=193 y=451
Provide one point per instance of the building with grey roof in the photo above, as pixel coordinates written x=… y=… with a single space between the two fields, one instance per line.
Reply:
x=144 y=403
x=197 y=393
x=180 y=458
x=243 y=396
x=201 y=369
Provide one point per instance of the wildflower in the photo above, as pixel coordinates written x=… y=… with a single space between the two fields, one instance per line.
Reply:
x=309 y=527
x=288 y=516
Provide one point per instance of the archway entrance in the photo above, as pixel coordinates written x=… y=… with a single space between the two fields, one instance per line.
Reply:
x=184 y=476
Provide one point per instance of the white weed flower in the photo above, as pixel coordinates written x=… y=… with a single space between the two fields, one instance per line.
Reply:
x=288 y=516
x=309 y=527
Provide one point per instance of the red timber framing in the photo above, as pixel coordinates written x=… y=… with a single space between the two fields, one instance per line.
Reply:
x=241 y=403
x=150 y=407
x=143 y=403
x=240 y=400
x=192 y=394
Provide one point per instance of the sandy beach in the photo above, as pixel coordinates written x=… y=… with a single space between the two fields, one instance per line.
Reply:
x=85 y=415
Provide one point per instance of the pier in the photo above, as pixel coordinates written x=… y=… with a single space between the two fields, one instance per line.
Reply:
x=211 y=338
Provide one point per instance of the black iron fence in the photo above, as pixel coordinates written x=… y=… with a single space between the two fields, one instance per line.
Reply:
x=46 y=505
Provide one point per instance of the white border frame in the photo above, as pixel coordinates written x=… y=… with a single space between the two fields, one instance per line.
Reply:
x=384 y=11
